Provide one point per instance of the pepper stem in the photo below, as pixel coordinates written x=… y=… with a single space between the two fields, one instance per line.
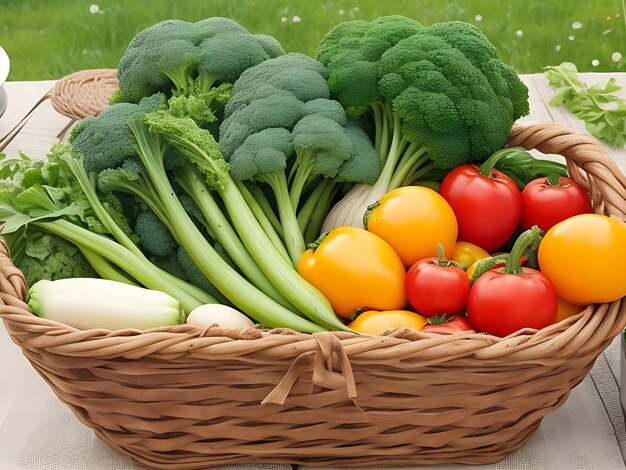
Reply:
x=530 y=238
x=313 y=245
x=371 y=208
x=488 y=165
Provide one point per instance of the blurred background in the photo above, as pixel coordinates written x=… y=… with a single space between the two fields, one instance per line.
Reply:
x=48 y=39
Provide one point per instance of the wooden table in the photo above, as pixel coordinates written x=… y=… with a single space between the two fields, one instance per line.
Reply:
x=37 y=432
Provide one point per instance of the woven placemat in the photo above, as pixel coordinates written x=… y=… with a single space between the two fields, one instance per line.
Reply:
x=84 y=93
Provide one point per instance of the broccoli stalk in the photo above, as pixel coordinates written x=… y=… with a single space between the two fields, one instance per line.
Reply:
x=194 y=185
x=199 y=146
x=46 y=195
x=104 y=268
x=182 y=132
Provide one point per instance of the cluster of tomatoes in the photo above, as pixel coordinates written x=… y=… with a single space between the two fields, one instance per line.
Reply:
x=423 y=260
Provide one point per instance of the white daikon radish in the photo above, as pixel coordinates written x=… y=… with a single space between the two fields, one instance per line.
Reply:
x=87 y=303
x=223 y=315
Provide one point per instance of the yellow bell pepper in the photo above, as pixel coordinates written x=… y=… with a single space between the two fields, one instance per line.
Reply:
x=355 y=269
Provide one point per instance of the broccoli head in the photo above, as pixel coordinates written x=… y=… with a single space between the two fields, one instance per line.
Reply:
x=444 y=100
x=105 y=141
x=281 y=110
x=351 y=52
x=445 y=86
x=181 y=58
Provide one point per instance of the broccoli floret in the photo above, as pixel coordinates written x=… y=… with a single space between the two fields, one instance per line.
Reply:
x=180 y=58
x=154 y=236
x=280 y=120
x=105 y=141
x=351 y=51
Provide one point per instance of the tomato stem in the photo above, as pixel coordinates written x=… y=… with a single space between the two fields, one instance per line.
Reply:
x=528 y=240
x=440 y=319
x=441 y=254
x=554 y=180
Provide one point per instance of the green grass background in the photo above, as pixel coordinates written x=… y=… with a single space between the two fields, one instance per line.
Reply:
x=47 y=39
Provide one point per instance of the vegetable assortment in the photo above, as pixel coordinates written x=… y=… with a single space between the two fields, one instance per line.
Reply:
x=364 y=189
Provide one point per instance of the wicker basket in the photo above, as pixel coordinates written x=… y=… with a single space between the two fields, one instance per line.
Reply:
x=187 y=398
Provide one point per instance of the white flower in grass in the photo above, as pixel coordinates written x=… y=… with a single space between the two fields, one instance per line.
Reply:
x=557 y=48
x=572 y=37
x=595 y=62
x=519 y=33
x=93 y=9
x=616 y=57
x=478 y=17
x=284 y=19
x=577 y=25
x=296 y=19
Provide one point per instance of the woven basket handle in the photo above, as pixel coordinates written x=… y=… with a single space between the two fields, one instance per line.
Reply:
x=587 y=162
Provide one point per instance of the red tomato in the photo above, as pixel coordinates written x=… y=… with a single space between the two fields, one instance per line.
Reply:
x=545 y=205
x=433 y=288
x=487 y=208
x=501 y=304
x=446 y=325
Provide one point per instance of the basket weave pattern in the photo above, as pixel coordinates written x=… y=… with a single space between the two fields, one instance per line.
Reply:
x=187 y=397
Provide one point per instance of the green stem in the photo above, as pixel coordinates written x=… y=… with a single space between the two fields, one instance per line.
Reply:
x=105 y=269
x=76 y=167
x=194 y=185
x=293 y=236
x=301 y=171
x=408 y=166
x=264 y=214
x=416 y=175
x=305 y=212
x=487 y=167
x=319 y=214
x=554 y=180
x=75 y=164
x=486 y=264
x=378 y=125
x=530 y=238
x=383 y=145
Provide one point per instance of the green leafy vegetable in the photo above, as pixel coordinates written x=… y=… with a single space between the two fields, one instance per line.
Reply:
x=603 y=112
